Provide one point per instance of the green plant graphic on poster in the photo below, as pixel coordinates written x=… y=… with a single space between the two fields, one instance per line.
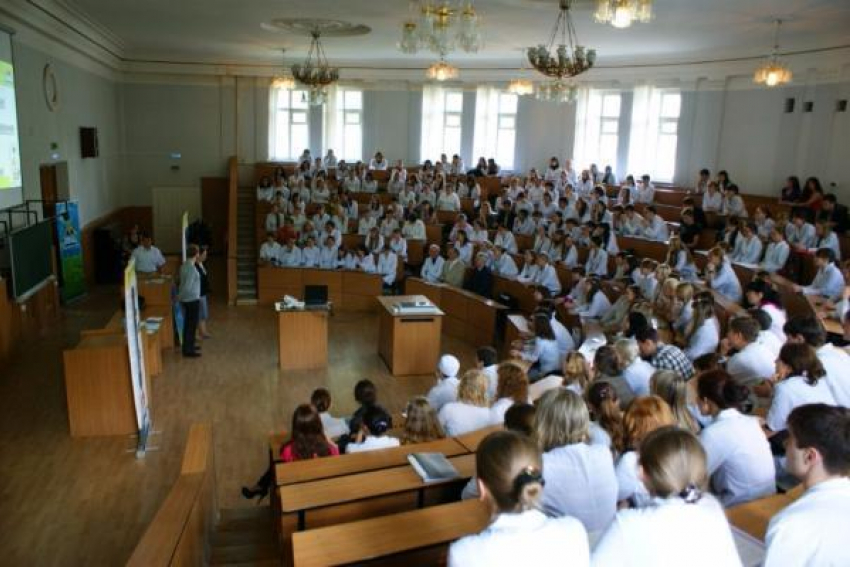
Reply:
x=70 y=250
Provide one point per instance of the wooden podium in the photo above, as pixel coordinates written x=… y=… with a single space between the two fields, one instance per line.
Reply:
x=302 y=338
x=409 y=343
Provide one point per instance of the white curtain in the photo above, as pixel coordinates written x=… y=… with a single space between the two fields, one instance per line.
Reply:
x=274 y=151
x=486 y=123
x=643 y=137
x=332 y=124
x=587 y=129
x=431 y=141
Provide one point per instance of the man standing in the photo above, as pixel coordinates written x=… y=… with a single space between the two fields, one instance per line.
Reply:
x=189 y=296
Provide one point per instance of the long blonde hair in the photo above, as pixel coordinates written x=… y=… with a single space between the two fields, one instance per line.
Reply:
x=674 y=464
x=576 y=370
x=672 y=388
x=473 y=388
x=561 y=419
x=421 y=424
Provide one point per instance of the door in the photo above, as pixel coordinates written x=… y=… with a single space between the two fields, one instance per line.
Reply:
x=169 y=204
x=49 y=191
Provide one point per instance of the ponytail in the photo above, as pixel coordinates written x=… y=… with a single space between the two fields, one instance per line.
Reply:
x=606 y=408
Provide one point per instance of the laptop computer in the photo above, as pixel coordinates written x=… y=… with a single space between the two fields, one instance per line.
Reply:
x=315 y=296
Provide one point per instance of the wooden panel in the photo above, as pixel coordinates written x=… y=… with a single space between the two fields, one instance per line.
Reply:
x=215 y=203
x=415 y=252
x=434 y=234
x=156 y=290
x=367 y=539
x=360 y=291
x=409 y=344
x=471 y=440
x=302 y=471
x=230 y=244
x=302 y=340
x=273 y=283
x=418 y=286
x=198 y=450
x=331 y=279
x=644 y=248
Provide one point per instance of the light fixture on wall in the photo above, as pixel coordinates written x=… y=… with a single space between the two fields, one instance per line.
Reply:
x=283 y=81
x=442 y=71
x=622 y=13
x=315 y=72
x=557 y=91
x=567 y=58
x=441 y=27
x=773 y=72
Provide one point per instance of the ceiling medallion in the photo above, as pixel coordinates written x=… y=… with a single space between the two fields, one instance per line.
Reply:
x=325 y=27
x=623 y=13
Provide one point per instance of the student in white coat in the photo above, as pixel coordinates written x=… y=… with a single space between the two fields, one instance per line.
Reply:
x=510 y=481
x=740 y=463
x=829 y=281
x=813 y=529
x=579 y=477
x=365 y=260
x=546 y=275
x=445 y=390
x=543 y=352
x=753 y=363
x=388 y=265
x=597 y=259
x=328 y=254
x=470 y=411
x=683 y=525
x=597 y=303
x=655 y=228
x=799 y=381
x=503 y=264
x=505 y=239
x=511 y=388
x=310 y=254
x=835 y=361
x=373 y=432
x=703 y=332
x=290 y=255
x=776 y=254
x=721 y=276
x=636 y=371
x=270 y=250
x=748 y=246
x=432 y=267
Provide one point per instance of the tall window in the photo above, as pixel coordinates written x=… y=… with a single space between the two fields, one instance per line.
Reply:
x=344 y=124
x=442 y=113
x=495 y=126
x=289 y=128
x=597 y=128
x=654 y=134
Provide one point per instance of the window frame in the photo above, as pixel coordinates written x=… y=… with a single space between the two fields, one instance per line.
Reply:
x=283 y=121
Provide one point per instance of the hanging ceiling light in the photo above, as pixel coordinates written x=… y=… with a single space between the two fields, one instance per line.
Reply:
x=519 y=86
x=569 y=58
x=283 y=81
x=316 y=73
x=773 y=72
x=557 y=91
x=622 y=13
x=442 y=71
x=440 y=27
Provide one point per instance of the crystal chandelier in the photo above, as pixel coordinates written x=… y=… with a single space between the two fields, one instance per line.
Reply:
x=440 y=27
x=773 y=72
x=442 y=71
x=283 y=81
x=570 y=58
x=622 y=13
x=557 y=91
x=316 y=73
x=521 y=87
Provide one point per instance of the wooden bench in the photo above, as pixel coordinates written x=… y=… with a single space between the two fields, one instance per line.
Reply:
x=471 y=440
x=419 y=537
x=753 y=517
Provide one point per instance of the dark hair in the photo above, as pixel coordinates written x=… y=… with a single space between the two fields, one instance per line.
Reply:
x=825 y=254
x=377 y=420
x=605 y=405
x=807 y=327
x=637 y=322
x=646 y=334
x=511 y=467
x=308 y=435
x=365 y=393
x=761 y=317
x=747 y=327
x=704 y=171
x=718 y=387
x=543 y=327
x=759 y=285
x=707 y=362
x=824 y=428
x=321 y=398
x=831 y=198
x=803 y=361
x=487 y=355
x=520 y=418
x=606 y=361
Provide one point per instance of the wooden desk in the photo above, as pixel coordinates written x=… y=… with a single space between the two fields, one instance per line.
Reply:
x=98 y=386
x=302 y=338
x=515 y=329
x=155 y=289
x=411 y=531
x=354 y=463
x=831 y=325
x=471 y=440
x=348 y=290
x=409 y=344
x=522 y=293
x=753 y=517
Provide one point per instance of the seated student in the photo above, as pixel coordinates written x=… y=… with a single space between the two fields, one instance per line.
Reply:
x=149 y=259
x=546 y=275
x=470 y=411
x=798 y=381
x=666 y=305
x=799 y=233
x=673 y=389
x=835 y=361
x=752 y=363
x=346 y=259
x=680 y=259
x=510 y=480
x=740 y=463
x=663 y=356
x=481 y=279
x=579 y=477
x=763 y=222
x=334 y=426
x=310 y=253
x=308 y=440
x=733 y=204
x=684 y=525
x=365 y=225
x=330 y=230
x=575 y=377
x=608 y=368
x=365 y=260
x=503 y=264
x=274 y=219
x=597 y=258
x=270 y=250
x=511 y=388
x=290 y=255
x=372 y=435
x=633 y=223
x=505 y=239
x=597 y=302
x=421 y=423
x=748 y=246
x=414 y=228
x=636 y=371
x=720 y=275
x=829 y=281
x=702 y=334
x=812 y=530
x=834 y=214
x=543 y=352
x=445 y=390
x=432 y=268
x=685 y=298
x=655 y=228
x=776 y=254
x=464 y=247
x=761 y=294
x=826 y=238
x=712 y=199
x=387 y=266
x=328 y=254
x=454 y=270
x=766 y=338
x=374 y=241
x=529 y=267
x=615 y=318
x=645 y=279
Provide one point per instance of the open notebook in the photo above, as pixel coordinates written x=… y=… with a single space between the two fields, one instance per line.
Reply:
x=432 y=467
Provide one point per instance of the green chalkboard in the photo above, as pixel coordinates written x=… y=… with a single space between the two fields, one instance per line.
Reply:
x=31 y=255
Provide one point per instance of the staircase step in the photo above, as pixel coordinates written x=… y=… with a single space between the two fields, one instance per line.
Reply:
x=244 y=553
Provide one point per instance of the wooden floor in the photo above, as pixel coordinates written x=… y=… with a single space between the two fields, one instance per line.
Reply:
x=87 y=501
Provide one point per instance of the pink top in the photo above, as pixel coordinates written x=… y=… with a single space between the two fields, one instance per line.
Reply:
x=287 y=456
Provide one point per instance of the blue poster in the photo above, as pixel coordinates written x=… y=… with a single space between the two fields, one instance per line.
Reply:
x=70 y=250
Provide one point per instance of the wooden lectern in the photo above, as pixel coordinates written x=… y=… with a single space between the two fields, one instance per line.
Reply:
x=409 y=343
x=302 y=338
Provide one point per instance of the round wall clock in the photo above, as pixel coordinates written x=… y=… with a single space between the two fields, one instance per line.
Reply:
x=50 y=87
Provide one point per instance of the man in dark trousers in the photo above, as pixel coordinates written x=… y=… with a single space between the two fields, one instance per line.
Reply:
x=189 y=295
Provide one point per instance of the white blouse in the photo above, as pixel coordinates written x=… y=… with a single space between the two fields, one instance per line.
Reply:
x=793 y=392
x=458 y=418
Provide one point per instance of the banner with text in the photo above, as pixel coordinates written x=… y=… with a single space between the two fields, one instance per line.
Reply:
x=70 y=250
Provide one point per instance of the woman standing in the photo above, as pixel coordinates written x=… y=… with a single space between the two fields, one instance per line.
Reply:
x=204 y=309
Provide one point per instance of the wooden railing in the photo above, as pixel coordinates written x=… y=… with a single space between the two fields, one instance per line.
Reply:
x=179 y=533
x=232 y=248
